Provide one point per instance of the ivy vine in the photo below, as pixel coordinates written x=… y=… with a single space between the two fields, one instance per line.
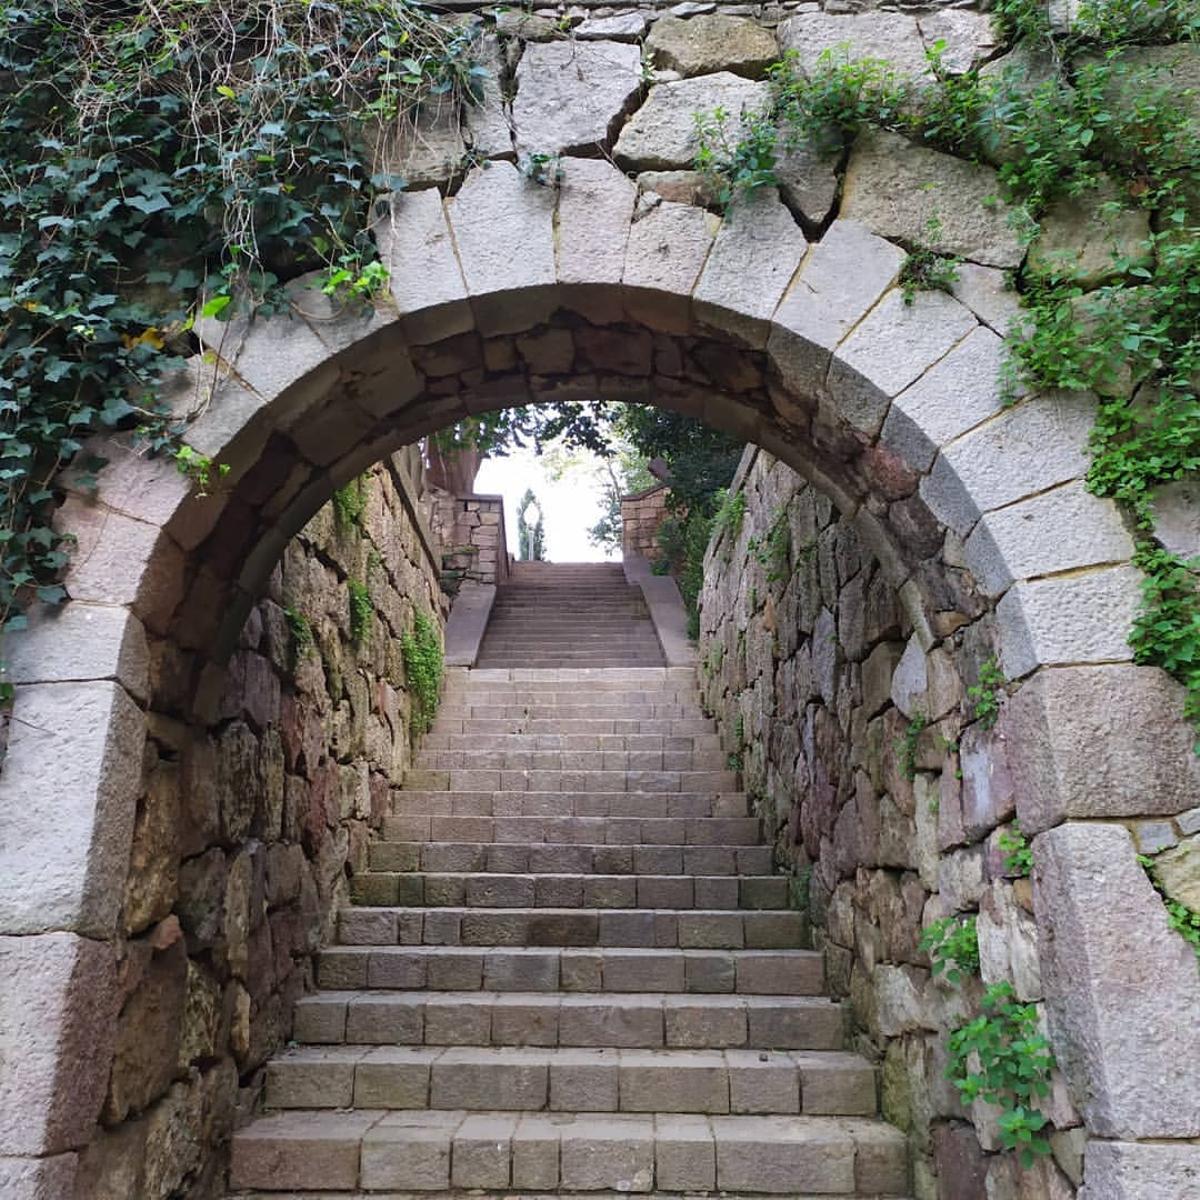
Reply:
x=1099 y=127
x=165 y=162
x=423 y=668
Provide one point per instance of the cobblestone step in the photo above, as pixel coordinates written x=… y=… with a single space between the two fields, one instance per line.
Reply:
x=512 y=858
x=587 y=1151
x=525 y=803
x=662 y=831
x=572 y=969
x=550 y=890
x=536 y=1078
x=646 y=1021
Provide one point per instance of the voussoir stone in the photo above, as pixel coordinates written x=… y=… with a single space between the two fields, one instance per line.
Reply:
x=927 y=198
x=1177 y=517
x=1122 y=989
x=892 y=37
x=702 y=45
x=807 y=177
x=67 y=801
x=570 y=95
x=1083 y=733
x=662 y=136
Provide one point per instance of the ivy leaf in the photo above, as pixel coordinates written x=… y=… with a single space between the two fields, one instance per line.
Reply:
x=149 y=204
x=216 y=306
x=52 y=594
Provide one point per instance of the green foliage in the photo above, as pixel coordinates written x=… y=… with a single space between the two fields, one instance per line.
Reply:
x=739 y=730
x=731 y=512
x=166 y=163
x=924 y=271
x=775 y=551
x=953 y=947
x=352 y=278
x=301 y=633
x=531 y=539
x=350 y=502
x=734 y=761
x=199 y=468
x=1018 y=854
x=543 y=169
x=906 y=747
x=683 y=539
x=423 y=666
x=986 y=694
x=1166 y=631
x=1002 y=1059
x=1183 y=920
x=362 y=611
x=741 y=166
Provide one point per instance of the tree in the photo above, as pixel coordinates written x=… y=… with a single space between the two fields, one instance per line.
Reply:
x=530 y=538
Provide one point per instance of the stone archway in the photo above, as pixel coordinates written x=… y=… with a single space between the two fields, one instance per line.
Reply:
x=509 y=292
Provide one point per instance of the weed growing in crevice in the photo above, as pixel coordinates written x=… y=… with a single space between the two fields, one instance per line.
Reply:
x=925 y=271
x=350 y=503
x=985 y=695
x=422 y=651
x=362 y=612
x=1018 y=854
x=300 y=632
x=953 y=947
x=1000 y=1057
x=1183 y=920
x=906 y=747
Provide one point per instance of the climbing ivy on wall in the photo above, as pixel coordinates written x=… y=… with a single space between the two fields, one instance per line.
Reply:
x=168 y=161
x=423 y=667
x=1136 y=340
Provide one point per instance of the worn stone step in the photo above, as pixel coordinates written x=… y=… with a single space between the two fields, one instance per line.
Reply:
x=536 y=1078
x=564 y=890
x=517 y=759
x=430 y=1150
x=583 y=725
x=601 y=676
x=511 y=858
x=689 y=929
x=572 y=969
x=485 y=1194
x=464 y=780
x=525 y=803
x=567 y=659
x=566 y=743
x=632 y=1020
x=662 y=831
x=572 y=708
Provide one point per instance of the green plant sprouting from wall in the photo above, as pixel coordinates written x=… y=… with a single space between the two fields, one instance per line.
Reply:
x=1001 y=1058
x=1183 y=920
x=1099 y=128
x=421 y=648
x=300 y=633
x=1018 y=854
x=362 y=612
x=906 y=747
x=985 y=695
x=350 y=503
x=953 y=947
x=151 y=183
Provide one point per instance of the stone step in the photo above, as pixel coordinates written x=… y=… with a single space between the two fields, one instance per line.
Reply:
x=517 y=759
x=536 y=1078
x=465 y=780
x=436 y=1149
x=463 y=925
x=572 y=969
x=642 y=710
x=509 y=858
x=557 y=659
x=567 y=743
x=631 y=1020
x=610 y=725
x=661 y=831
x=524 y=803
x=485 y=1194
x=600 y=676
x=557 y=890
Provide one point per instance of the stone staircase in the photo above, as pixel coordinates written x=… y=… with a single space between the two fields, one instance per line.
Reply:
x=570 y=970
x=569 y=615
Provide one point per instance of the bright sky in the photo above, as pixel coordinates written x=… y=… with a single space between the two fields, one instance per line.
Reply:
x=570 y=505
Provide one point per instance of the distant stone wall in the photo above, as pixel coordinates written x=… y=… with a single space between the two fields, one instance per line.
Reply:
x=473 y=538
x=885 y=797
x=641 y=515
x=248 y=832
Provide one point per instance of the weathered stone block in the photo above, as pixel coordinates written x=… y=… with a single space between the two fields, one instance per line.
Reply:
x=706 y=44
x=1129 y=1171
x=1122 y=990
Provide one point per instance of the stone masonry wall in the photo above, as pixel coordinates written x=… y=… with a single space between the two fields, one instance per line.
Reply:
x=641 y=515
x=816 y=675
x=247 y=834
x=471 y=531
